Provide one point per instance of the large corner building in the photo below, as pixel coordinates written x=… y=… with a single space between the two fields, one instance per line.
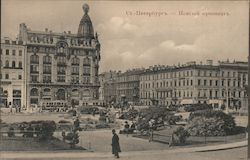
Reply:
x=62 y=68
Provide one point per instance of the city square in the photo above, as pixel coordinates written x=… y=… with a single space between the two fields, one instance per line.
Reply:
x=79 y=95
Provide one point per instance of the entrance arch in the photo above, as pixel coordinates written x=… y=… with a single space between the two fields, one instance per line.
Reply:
x=60 y=94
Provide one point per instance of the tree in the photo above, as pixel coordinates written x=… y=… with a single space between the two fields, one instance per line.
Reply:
x=210 y=123
x=73 y=136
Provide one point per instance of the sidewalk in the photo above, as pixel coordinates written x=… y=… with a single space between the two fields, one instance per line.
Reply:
x=143 y=155
x=220 y=147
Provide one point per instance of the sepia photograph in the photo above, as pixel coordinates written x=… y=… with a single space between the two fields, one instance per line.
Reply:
x=131 y=80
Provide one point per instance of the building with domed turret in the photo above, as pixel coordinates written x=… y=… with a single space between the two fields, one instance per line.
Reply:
x=62 y=68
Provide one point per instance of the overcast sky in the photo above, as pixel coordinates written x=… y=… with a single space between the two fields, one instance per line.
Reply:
x=129 y=41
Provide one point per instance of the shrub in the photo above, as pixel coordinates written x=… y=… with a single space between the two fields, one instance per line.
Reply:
x=130 y=115
x=47 y=128
x=11 y=132
x=156 y=113
x=197 y=107
x=64 y=121
x=179 y=136
x=73 y=136
x=210 y=123
x=73 y=139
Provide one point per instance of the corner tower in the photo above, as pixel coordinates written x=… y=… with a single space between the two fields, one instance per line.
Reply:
x=85 y=29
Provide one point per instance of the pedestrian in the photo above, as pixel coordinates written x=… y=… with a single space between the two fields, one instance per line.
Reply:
x=126 y=128
x=151 y=124
x=115 y=144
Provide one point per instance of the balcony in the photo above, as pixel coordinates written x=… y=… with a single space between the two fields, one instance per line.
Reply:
x=46 y=62
x=4 y=95
x=34 y=62
x=35 y=72
x=47 y=81
x=75 y=64
x=46 y=72
x=86 y=74
x=61 y=72
x=74 y=73
x=74 y=82
x=34 y=81
x=61 y=64
x=17 y=95
x=10 y=67
x=61 y=80
x=86 y=64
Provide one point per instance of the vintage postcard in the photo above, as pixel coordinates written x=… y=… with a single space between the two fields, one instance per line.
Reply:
x=147 y=80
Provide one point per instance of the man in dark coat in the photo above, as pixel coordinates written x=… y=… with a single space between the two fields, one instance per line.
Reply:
x=115 y=144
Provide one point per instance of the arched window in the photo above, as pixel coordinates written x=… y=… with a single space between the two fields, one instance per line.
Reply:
x=75 y=61
x=46 y=90
x=34 y=59
x=47 y=59
x=34 y=92
x=60 y=94
x=75 y=92
x=20 y=65
x=6 y=63
x=13 y=64
x=86 y=61
x=86 y=93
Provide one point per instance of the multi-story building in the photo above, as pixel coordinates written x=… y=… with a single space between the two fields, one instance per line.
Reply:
x=109 y=87
x=224 y=83
x=62 y=67
x=128 y=85
x=12 y=77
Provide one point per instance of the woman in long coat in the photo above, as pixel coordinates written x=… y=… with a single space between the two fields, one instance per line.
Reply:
x=115 y=144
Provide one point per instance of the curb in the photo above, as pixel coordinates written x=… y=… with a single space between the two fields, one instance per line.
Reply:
x=221 y=147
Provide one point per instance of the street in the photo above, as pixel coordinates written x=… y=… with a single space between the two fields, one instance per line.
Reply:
x=231 y=154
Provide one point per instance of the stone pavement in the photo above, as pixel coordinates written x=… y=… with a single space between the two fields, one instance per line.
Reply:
x=172 y=154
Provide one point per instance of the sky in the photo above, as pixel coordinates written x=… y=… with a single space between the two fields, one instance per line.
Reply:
x=135 y=34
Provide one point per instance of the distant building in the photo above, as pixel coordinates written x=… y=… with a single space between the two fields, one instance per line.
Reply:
x=12 y=77
x=108 y=89
x=128 y=87
x=62 y=67
x=218 y=85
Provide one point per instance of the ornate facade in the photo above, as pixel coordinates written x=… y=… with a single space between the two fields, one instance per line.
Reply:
x=62 y=67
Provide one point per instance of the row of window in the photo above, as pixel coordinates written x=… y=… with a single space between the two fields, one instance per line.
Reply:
x=60 y=60
x=15 y=92
x=190 y=73
x=167 y=84
x=13 y=64
x=14 y=52
x=7 y=76
x=60 y=78
x=127 y=85
x=200 y=82
x=60 y=69
x=201 y=94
